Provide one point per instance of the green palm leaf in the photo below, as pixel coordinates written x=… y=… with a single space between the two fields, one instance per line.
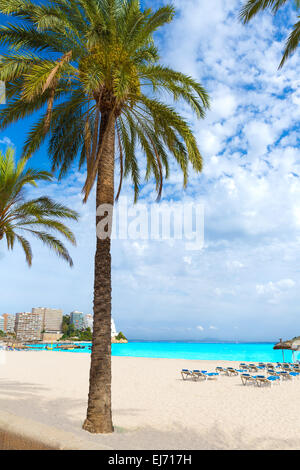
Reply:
x=252 y=7
x=33 y=216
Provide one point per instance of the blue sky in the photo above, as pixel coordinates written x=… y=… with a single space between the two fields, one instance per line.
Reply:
x=244 y=284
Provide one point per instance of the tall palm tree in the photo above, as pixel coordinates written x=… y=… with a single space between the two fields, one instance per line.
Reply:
x=252 y=7
x=36 y=217
x=92 y=68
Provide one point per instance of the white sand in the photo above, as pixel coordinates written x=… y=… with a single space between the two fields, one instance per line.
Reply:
x=152 y=407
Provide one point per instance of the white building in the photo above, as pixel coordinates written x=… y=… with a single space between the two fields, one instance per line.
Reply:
x=88 y=320
x=88 y=323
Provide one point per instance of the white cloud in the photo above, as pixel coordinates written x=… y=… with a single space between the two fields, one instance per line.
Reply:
x=275 y=290
x=6 y=141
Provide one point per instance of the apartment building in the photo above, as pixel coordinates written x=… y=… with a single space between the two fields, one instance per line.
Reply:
x=51 y=317
x=9 y=323
x=28 y=326
x=77 y=320
x=88 y=320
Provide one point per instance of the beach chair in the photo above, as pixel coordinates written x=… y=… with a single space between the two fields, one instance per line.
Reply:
x=285 y=375
x=295 y=374
x=243 y=366
x=187 y=374
x=273 y=372
x=253 y=368
x=261 y=365
x=200 y=374
x=247 y=379
x=203 y=374
x=221 y=370
x=212 y=375
x=232 y=371
x=261 y=380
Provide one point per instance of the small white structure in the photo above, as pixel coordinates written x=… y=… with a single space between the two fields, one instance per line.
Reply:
x=113 y=329
x=88 y=319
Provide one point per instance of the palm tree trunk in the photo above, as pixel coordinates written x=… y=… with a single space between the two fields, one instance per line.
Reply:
x=99 y=418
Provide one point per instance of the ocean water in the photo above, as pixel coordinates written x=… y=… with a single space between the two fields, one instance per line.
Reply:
x=254 y=352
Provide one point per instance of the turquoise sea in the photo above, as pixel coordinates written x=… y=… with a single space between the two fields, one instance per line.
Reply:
x=256 y=352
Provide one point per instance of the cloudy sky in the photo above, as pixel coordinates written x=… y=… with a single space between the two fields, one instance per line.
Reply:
x=244 y=283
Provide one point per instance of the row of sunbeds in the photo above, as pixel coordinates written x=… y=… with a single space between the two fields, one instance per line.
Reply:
x=198 y=374
x=286 y=366
x=275 y=373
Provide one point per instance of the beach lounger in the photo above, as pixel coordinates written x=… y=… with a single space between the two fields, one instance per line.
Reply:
x=295 y=374
x=212 y=375
x=232 y=371
x=285 y=375
x=187 y=374
x=261 y=365
x=273 y=373
x=200 y=374
x=243 y=366
x=247 y=379
x=203 y=374
x=261 y=380
x=221 y=370
x=253 y=367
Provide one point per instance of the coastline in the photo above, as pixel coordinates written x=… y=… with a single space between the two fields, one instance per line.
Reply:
x=153 y=408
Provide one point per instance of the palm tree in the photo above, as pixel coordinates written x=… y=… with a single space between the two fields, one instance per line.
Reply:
x=36 y=217
x=252 y=7
x=91 y=67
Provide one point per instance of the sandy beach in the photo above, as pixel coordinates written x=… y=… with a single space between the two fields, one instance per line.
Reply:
x=153 y=408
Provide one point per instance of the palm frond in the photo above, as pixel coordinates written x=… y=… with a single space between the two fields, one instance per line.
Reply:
x=36 y=216
x=252 y=7
x=291 y=44
x=26 y=247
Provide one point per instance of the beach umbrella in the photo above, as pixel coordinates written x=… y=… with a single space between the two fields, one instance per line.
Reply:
x=283 y=345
